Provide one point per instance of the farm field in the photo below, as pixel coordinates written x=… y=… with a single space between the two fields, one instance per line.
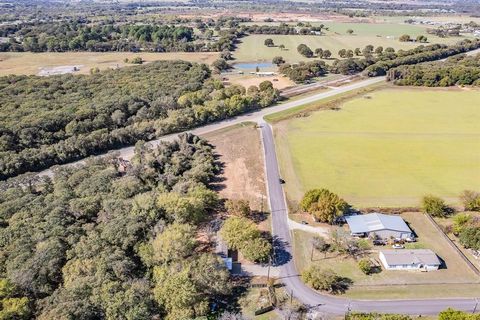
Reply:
x=456 y=277
x=387 y=148
x=33 y=63
x=251 y=47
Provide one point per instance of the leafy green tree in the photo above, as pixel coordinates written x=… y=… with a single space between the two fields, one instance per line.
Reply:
x=319 y=52
x=365 y=266
x=405 y=38
x=326 y=54
x=434 y=206
x=324 y=279
x=324 y=205
x=236 y=231
x=175 y=243
x=358 y=51
x=268 y=42
x=470 y=237
x=342 y=53
x=220 y=65
x=452 y=314
x=304 y=50
x=379 y=50
x=278 y=60
x=460 y=221
x=350 y=31
x=258 y=250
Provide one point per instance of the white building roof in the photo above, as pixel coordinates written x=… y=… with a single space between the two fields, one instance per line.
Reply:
x=375 y=222
x=410 y=257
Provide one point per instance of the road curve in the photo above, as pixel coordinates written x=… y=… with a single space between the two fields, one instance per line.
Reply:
x=288 y=271
x=254 y=116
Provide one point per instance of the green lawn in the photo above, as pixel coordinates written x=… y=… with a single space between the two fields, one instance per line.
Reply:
x=251 y=47
x=388 y=148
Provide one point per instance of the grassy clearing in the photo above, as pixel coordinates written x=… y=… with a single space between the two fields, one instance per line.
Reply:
x=386 y=149
x=397 y=284
x=32 y=63
x=251 y=48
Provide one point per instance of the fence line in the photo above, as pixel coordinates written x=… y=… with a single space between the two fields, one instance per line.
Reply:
x=454 y=246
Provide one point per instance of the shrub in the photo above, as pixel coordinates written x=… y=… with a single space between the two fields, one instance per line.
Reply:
x=365 y=265
x=470 y=200
x=434 y=206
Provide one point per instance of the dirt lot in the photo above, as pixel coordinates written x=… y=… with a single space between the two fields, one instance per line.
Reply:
x=34 y=63
x=457 y=279
x=278 y=81
x=239 y=149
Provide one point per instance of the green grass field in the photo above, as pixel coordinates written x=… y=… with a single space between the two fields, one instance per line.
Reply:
x=379 y=34
x=388 y=148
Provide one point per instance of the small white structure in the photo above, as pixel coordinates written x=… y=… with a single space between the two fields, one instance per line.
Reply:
x=416 y=259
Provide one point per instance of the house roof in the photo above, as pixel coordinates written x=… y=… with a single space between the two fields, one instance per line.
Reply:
x=375 y=222
x=414 y=256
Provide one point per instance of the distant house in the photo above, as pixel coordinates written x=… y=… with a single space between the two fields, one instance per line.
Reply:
x=382 y=225
x=417 y=259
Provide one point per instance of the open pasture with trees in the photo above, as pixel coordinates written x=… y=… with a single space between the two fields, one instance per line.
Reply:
x=33 y=63
x=387 y=148
x=252 y=47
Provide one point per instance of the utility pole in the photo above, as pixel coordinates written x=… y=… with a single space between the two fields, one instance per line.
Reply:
x=476 y=305
x=311 y=254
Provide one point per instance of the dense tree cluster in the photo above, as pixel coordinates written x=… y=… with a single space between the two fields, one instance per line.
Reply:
x=57 y=119
x=282 y=28
x=458 y=70
x=467 y=228
x=81 y=36
x=323 y=205
x=304 y=71
x=420 y=54
x=242 y=234
x=95 y=242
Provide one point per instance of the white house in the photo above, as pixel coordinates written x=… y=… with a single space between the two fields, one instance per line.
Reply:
x=416 y=259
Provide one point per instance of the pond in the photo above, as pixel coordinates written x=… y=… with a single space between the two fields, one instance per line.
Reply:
x=253 y=65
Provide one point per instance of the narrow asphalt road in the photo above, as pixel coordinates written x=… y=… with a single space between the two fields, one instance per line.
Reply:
x=255 y=116
x=288 y=271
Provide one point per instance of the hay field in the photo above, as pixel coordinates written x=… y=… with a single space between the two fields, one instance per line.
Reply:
x=388 y=148
x=33 y=63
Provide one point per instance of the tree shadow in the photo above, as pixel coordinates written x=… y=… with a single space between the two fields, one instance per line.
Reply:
x=281 y=256
x=216 y=184
x=258 y=216
x=341 y=285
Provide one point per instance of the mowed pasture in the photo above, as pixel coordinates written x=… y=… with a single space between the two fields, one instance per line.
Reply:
x=252 y=47
x=32 y=63
x=387 y=148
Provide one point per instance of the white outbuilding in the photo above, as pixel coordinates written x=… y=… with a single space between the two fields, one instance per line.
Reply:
x=415 y=259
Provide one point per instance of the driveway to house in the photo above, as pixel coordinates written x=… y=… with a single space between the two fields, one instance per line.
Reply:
x=255 y=116
x=288 y=271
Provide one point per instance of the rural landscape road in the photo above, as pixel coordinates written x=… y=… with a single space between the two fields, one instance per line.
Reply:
x=255 y=116
x=290 y=276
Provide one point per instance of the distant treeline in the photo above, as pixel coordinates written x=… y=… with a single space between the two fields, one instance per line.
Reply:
x=283 y=28
x=80 y=36
x=54 y=120
x=458 y=70
x=379 y=65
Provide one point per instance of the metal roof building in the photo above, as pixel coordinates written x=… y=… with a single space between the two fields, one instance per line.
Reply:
x=384 y=226
x=416 y=259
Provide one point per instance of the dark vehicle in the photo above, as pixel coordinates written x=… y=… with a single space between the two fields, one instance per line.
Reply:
x=379 y=242
x=281 y=181
x=304 y=222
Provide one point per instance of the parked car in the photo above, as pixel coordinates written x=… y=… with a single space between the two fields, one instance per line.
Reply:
x=304 y=222
x=412 y=239
x=398 y=246
x=379 y=242
x=281 y=181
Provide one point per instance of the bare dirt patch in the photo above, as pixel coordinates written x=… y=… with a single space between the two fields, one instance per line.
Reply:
x=246 y=81
x=240 y=152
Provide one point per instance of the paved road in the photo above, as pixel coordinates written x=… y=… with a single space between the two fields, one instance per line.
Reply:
x=255 y=116
x=288 y=271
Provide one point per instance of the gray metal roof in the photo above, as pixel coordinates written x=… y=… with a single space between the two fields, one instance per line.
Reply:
x=375 y=222
x=409 y=257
